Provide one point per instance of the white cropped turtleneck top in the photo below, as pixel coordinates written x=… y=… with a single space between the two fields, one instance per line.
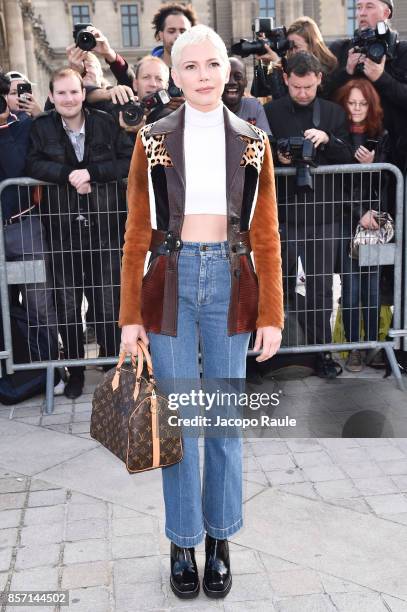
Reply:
x=205 y=161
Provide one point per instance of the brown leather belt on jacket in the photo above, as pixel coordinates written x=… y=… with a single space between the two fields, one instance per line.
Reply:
x=170 y=244
x=164 y=243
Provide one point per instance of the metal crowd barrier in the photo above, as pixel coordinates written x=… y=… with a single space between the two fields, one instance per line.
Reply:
x=61 y=266
x=315 y=238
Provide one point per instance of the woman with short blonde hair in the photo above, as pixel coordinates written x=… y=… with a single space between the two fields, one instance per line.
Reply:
x=201 y=197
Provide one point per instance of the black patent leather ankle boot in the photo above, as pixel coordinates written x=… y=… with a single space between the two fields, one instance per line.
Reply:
x=217 y=580
x=184 y=579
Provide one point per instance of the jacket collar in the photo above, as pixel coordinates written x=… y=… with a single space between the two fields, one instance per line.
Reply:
x=175 y=122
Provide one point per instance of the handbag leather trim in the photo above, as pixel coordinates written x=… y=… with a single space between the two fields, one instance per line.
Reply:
x=155 y=430
x=158 y=463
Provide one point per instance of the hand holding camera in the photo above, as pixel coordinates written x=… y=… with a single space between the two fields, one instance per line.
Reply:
x=354 y=58
x=76 y=58
x=102 y=46
x=121 y=94
x=317 y=137
x=372 y=70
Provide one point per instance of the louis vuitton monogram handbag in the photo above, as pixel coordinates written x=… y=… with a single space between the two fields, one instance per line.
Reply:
x=130 y=418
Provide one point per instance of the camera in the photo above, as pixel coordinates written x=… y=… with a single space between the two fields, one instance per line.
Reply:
x=276 y=38
x=174 y=91
x=84 y=40
x=373 y=43
x=303 y=154
x=133 y=112
x=3 y=104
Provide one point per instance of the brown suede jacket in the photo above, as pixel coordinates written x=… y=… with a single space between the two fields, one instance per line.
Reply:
x=156 y=200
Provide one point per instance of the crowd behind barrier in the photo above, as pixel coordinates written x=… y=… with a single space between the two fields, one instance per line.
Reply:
x=62 y=306
x=330 y=107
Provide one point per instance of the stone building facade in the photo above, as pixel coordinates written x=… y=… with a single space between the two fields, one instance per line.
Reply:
x=34 y=33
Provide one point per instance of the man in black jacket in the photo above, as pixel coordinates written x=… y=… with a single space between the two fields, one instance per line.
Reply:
x=76 y=148
x=309 y=217
x=389 y=77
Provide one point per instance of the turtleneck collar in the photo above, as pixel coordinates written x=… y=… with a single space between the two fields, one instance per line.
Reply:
x=198 y=118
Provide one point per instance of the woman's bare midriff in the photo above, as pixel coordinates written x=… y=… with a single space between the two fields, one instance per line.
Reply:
x=204 y=228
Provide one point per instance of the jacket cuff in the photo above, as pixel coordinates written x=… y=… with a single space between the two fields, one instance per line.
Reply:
x=65 y=172
x=383 y=82
x=93 y=173
x=263 y=322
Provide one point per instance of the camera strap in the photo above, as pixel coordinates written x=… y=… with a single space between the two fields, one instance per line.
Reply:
x=316 y=113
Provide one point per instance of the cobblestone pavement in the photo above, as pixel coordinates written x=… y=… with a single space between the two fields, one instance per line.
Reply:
x=325 y=518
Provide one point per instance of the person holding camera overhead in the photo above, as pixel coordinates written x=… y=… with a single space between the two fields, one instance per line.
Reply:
x=308 y=130
x=302 y=35
x=376 y=53
x=75 y=147
x=201 y=197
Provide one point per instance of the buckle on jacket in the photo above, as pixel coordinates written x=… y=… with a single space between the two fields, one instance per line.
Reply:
x=239 y=248
x=172 y=243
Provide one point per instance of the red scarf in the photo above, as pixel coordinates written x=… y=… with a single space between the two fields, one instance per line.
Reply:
x=358 y=128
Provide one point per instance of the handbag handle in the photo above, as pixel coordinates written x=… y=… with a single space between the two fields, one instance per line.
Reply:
x=146 y=353
x=134 y=359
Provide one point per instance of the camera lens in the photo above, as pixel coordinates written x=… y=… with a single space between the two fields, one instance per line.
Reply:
x=85 y=41
x=132 y=113
x=376 y=52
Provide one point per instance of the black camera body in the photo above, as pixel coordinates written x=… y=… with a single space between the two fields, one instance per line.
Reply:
x=303 y=154
x=83 y=39
x=133 y=112
x=174 y=91
x=374 y=43
x=300 y=149
x=276 y=38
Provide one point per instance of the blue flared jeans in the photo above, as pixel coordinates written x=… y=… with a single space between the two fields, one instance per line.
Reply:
x=203 y=302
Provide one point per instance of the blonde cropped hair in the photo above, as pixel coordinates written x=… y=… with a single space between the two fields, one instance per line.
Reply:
x=198 y=34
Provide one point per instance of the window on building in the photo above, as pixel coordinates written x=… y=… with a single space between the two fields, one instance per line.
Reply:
x=80 y=13
x=130 y=25
x=351 y=16
x=267 y=8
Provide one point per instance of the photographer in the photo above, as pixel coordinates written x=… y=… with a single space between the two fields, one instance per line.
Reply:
x=383 y=61
x=151 y=76
x=248 y=109
x=23 y=105
x=24 y=235
x=302 y=35
x=75 y=147
x=99 y=44
x=310 y=221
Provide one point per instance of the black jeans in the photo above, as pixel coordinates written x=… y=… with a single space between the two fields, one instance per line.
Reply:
x=94 y=273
